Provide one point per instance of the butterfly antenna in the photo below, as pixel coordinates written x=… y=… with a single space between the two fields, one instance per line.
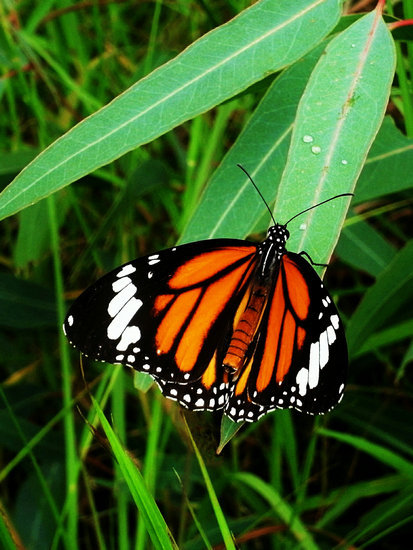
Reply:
x=319 y=204
x=258 y=191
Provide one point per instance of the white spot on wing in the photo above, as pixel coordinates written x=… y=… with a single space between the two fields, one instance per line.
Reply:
x=314 y=366
x=154 y=259
x=126 y=270
x=122 y=319
x=119 y=284
x=129 y=336
x=335 y=321
x=121 y=299
x=302 y=381
x=331 y=335
x=324 y=353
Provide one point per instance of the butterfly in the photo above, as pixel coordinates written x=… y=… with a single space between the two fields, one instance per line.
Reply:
x=220 y=324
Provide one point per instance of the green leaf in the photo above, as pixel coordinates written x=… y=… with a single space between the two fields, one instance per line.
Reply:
x=262 y=39
x=380 y=453
x=338 y=117
x=228 y=429
x=149 y=512
x=361 y=246
x=389 y=166
x=392 y=289
x=261 y=149
x=351 y=72
x=142 y=381
x=386 y=337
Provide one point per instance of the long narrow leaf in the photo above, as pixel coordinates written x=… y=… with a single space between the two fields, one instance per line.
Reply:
x=262 y=39
x=338 y=117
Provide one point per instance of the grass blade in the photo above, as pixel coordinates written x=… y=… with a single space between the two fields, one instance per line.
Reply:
x=155 y=523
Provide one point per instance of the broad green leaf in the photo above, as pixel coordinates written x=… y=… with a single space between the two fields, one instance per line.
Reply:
x=361 y=246
x=380 y=453
x=230 y=199
x=230 y=206
x=407 y=358
x=389 y=166
x=338 y=117
x=386 y=337
x=345 y=497
x=392 y=289
x=262 y=39
x=149 y=512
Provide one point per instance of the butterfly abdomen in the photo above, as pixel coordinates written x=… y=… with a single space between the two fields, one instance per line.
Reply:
x=245 y=327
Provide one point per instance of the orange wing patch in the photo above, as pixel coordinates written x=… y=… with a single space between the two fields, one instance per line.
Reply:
x=289 y=305
x=274 y=328
x=210 y=374
x=193 y=312
x=171 y=324
x=204 y=266
x=297 y=288
x=211 y=305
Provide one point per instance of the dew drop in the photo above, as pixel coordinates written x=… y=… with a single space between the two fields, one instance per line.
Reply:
x=316 y=149
x=344 y=161
x=308 y=139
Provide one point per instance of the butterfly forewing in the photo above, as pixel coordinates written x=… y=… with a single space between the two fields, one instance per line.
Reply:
x=168 y=314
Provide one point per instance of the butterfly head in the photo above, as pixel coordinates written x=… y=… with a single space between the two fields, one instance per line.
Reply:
x=278 y=234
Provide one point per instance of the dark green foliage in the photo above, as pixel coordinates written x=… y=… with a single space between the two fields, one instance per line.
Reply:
x=159 y=165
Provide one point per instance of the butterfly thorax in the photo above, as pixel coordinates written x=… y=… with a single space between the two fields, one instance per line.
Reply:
x=271 y=250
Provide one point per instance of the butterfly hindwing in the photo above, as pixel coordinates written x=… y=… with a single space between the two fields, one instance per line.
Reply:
x=300 y=355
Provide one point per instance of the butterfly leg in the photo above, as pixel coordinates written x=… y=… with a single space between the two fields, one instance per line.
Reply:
x=310 y=259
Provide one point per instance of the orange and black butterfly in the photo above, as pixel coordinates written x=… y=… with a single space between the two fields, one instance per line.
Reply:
x=220 y=324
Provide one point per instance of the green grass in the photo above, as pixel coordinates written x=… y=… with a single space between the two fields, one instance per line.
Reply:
x=95 y=463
